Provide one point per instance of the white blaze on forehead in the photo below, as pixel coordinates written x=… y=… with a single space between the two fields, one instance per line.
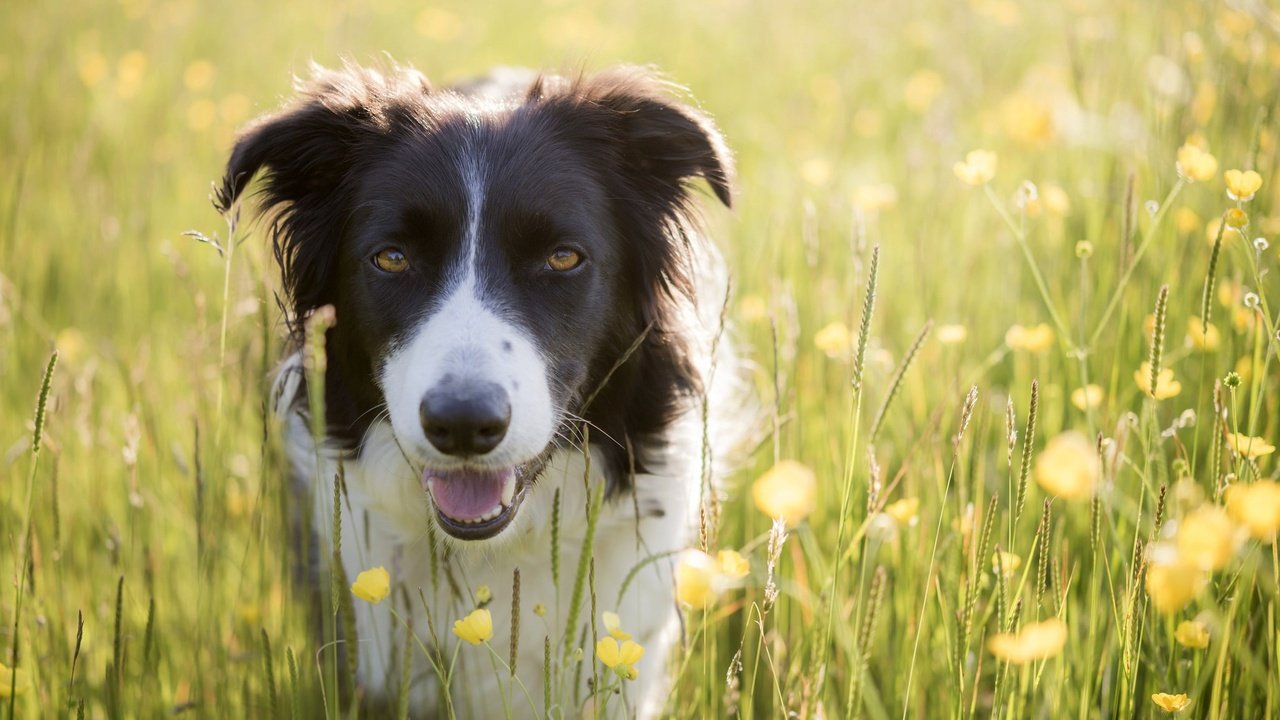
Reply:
x=470 y=343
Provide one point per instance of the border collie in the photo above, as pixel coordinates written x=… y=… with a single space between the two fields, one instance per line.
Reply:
x=515 y=266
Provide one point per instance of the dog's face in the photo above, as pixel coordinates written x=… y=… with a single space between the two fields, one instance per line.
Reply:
x=492 y=260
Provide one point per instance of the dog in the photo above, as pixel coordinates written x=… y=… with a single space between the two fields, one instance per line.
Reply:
x=528 y=317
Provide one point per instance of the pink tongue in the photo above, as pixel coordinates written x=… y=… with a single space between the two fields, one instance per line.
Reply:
x=466 y=494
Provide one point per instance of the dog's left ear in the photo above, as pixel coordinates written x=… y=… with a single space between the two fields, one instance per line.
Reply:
x=664 y=142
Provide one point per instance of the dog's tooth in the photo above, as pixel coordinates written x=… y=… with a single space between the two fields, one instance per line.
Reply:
x=508 y=491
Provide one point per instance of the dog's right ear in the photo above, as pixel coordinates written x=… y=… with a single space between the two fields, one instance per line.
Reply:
x=305 y=152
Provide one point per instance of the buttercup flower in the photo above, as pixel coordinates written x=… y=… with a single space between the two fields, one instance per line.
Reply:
x=1256 y=507
x=620 y=658
x=14 y=679
x=1242 y=186
x=1192 y=634
x=1250 y=447
x=951 y=334
x=1236 y=218
x=1005 y=562
x=1055 y=199
x=1036 y=641
x=1171 y=703
x=1172 y=582
x=1195 y=164
x=834 y=339
x=903 y=511
x=732 y=564
x=1201 y=337
x=875 y=197
x=1068 y=466
x=475 y=628
x=1089 y=396
x=787 y=490
x=483 y=595
x=372 y=585
x=1032 y=339
x=696 y=579
x=977 y=168
x=540 y=610
x=1207 y=538
x=613 y=625
x=1166 y=386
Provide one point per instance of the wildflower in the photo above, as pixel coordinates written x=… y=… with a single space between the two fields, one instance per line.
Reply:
x=732 y=564
x=816 y=171
x=1242 y=186
x=249 y=614
x=613 y=625
x=620 y=658
x=977 y=168
x=1195 y=163
x=540 y=610
x=1068 y=466
x=1032 y=339
x=372 y=585
x=483 y=595
x=921 y=89
x=903 y=511
x=1005 y=563
x=1250 y=447
x=1166 y=386
x=199 y=74
x=1205 y=338
x=14 y=679
x=753 y=308
x=1236 y=218
x=952 y=334
x=1192 y=634
x=696 y=574
x=1171 y=703
x=1229 y=233
x=1186 y=220
x=1027 y=119
x=1087 y=397
x=1207 y=538
x=1084 y=249
x=834 y=339
x=875 y=197
x=787 y=491
x=1056 y=200
x=1172 y=582
x=1036 y=641
x=1256 y=507
x=475 y=628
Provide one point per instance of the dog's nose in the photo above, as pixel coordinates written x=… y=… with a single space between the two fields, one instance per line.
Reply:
x=464 y=421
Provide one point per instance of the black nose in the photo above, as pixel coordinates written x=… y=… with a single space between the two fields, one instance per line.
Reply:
x=465 y=420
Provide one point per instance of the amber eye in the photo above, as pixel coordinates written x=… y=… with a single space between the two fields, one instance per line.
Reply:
x=564 y=259
x=391 y=260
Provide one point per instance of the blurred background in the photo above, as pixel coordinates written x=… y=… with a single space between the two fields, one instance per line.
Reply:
x=157 y=507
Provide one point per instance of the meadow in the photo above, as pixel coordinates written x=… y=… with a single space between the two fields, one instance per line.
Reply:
x=1005 y=276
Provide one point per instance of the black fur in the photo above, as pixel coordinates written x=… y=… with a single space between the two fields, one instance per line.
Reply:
x=362 y=157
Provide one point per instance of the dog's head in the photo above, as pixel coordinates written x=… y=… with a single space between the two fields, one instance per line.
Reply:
x=504 y=266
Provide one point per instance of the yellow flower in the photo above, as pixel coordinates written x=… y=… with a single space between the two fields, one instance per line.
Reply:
x=1172 y=583
x=1027 y=119
x=1237 y=218
x=540 y=610
x=475 y=628
x=18 y=679
x=1250 y=447
x=834 y=340
x=1195 y=163
x=1207 y=538
x=1186 y=220
x=952 y=334
x=1256 y=507
x=613 y=625
x=1211 y=232
x=732 y=564
x=1171 y=703
x=1005 y=562
x=1203 y=338
x=1055 y=199
x=1068 y=466
x=1032 y=339
x=977 y=168
x=921 y=89
x=753 y=308
x=1166 y=386
x=903 y=511
x=875 y=197
x=696 y=576
x=1192 y=634
x=1242 y=186
x=1036 y=641
x=483 y=595
x=621 y=658
x=372 y=585
x=786 y=490
x=1087 y=397
x=817 y=171
x=199 y=74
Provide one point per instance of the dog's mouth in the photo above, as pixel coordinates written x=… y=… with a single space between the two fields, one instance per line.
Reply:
x=479 y=503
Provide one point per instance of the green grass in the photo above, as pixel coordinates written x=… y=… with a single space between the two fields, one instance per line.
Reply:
x=156 y=512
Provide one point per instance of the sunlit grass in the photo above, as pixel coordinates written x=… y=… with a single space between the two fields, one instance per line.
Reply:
x=1087 y=532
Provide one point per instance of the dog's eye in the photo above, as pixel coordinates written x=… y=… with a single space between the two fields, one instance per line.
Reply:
x=564 y=259
x=391 y=260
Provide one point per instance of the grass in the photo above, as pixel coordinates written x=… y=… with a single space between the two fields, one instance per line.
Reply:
x=146 y=547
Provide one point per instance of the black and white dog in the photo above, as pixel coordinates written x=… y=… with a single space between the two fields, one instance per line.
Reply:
x=498 y=254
